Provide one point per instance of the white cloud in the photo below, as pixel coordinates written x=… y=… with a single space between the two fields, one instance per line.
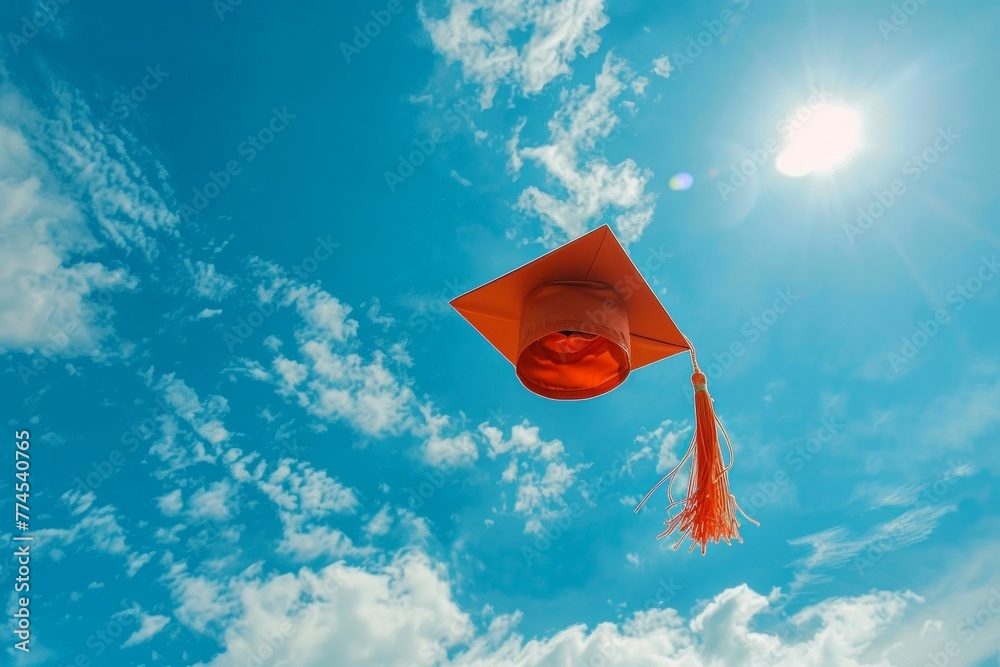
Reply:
x=461 y=180
x=536 y=466
x=443 y=451
x=376 y=317
x=171 y=504
x=514 y=162
x=97 y=529
x=670 y=441
x=48 y=290
x=250 y=368
x=380 y=523
x=963 y=416
x=169 y=535
x=662 y=67
x=207 y=282
x=135 y=562
x=208 y=313
x=109 y=174
x=478 y=34
x=524 y=439
x=204 y=418
x=106 y=175
x=404 y=614
x=387 y=617
x=835 y=547
x=308 y=543
x=177 y=448
x=299 y=489
x=215 y=502
x=201 y=602
x=305 y=498
x=335 y=380
x=365 y=393
x=590 y=184
x=900 y=496
x=149 y=627
x=78 y=501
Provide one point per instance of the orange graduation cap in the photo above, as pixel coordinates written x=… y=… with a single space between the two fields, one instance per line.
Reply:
x=574 y=323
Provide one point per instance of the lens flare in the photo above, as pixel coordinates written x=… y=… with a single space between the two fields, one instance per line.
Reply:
x=681 y=181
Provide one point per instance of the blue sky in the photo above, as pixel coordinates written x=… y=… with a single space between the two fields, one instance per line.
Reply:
x=259 y=435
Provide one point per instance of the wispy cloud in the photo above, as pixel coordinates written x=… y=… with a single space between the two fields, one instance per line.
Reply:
x=458 y=177
x=662 y=67
x=479 y=36
x=668 y=442
x=149 y=627
x=111 y=176
x=207 y=282
x=97 y=529
x=538 y=470
x=333 y=378
x=48 y=287
x=836 y=547
x=590 y=185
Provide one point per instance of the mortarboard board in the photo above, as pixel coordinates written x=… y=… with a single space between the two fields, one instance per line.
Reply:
x=574 y=323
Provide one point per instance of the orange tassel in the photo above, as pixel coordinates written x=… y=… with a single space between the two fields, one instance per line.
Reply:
x=709 y=510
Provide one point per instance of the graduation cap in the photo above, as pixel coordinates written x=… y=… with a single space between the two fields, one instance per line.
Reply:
x=574 y=323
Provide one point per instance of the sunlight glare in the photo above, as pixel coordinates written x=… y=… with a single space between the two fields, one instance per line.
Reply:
x=827 y=139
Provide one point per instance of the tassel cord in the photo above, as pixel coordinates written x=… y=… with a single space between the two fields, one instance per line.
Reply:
x=710 y=507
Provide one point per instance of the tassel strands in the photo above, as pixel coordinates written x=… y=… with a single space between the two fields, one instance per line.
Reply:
x=709 y=509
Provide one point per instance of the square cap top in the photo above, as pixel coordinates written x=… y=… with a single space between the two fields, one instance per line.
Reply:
x=597 y=257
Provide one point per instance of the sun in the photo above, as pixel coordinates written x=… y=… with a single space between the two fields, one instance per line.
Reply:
x=826 y=139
